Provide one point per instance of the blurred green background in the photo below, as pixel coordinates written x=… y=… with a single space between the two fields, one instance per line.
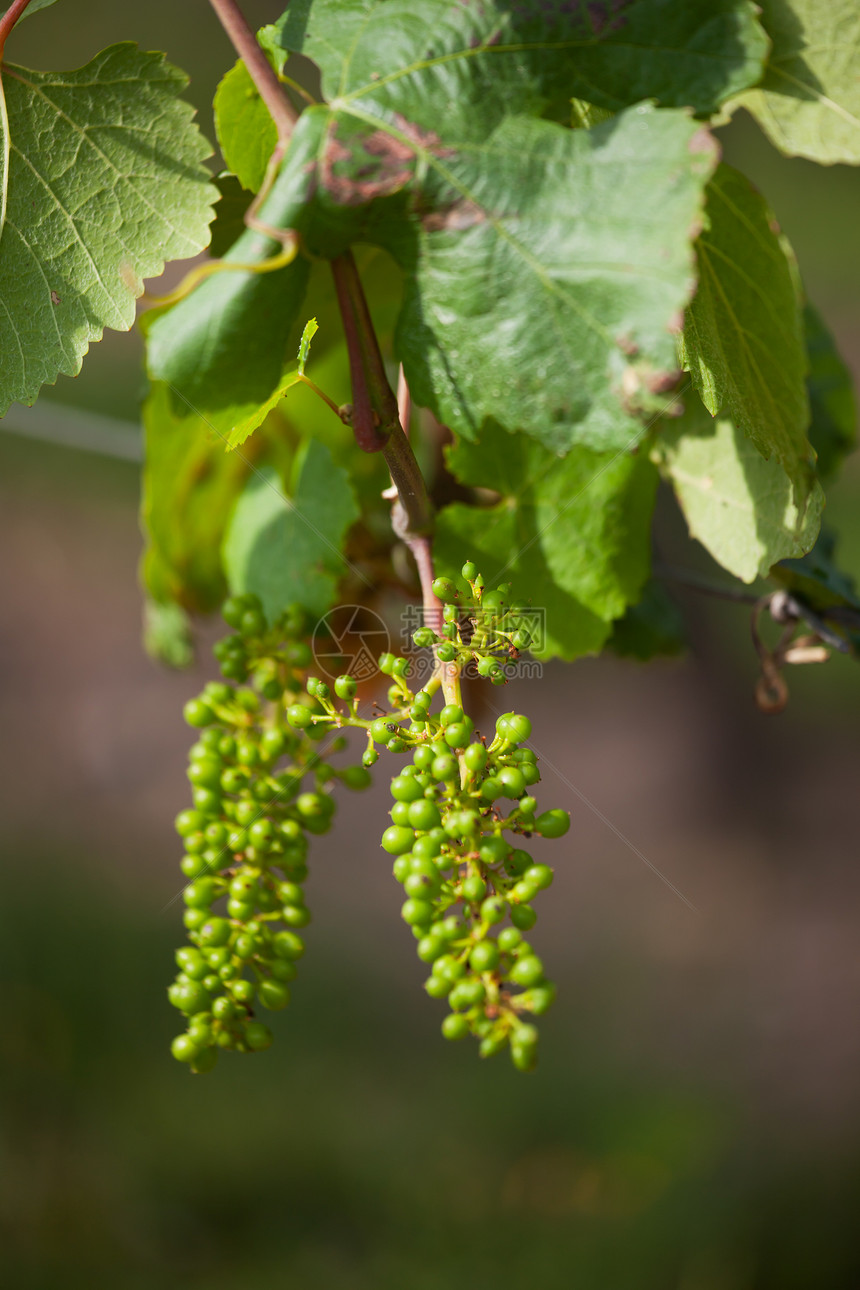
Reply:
x=695 y=1120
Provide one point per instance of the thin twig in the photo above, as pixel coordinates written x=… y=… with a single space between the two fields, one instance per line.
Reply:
x=698 y=582
x=10 y=17
x=259 y=68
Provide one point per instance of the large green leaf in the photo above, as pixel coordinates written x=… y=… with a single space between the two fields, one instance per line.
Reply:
x=189 y=487
x=832 y=402
x=809 y=101
x=460 y=68
x=743 y=334
x=572 y=535
x=737 y=504
x=520 y=305
x=104 y=184
x=289 y=549
x=221 y=349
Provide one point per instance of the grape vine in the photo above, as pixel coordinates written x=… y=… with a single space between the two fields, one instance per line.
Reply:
x=521 y=211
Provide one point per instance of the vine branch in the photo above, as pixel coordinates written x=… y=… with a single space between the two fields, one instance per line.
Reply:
x=10 y=17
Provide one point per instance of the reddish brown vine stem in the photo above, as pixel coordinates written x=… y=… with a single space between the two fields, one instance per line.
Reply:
x=259 y=68
x=7 y=22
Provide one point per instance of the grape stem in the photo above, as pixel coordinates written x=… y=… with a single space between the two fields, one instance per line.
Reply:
x=10 y=17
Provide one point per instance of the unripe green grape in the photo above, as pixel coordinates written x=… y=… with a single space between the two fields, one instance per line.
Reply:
x=405 y=788
x=217 y=956
x=538 y=999
x=446 y=653
x=421 y=886
x=526 y=807
x=355 y=778
x=245 y=947
x=424 y=815
x=475 y=758
x=473 y=889
x=282 y=969
x=455 y=1026
x=400 y=813
x=193 y=866
x=189 y=997
x=449 y=968
x=184 y=1048
x=287 y=945
x=469 y=571
x=493 y=909
x=223 y=1008
x=206 y=800
x=195 y=918
x=424 y=637
x=450 y=715
x=430 y=948
x=397 y=839
x=215 y=931
x=246 y=812
x=529 y=772
x=523 y=891
x=523 y=917
x=512 y=781
x=299 y=716
x=524 y=1056
x=296 y=915
x=518 y=863
x=467 y=994
x=228 y=972
x=192 y=963
x=527 y=971
x=237 y=840
x=427 y=847
x=445 y=590
x=437 y=987
x=552 y=824
x=205 y=771
x=462 y=824
x=484 y=956
x=493 y=849
x=201 y=893
x=198 y=713
x=257 y=1036
x=445 y=767
x=205 y=1060
x=491 y=789
x=459 y=734
x=417 y=913
x=382 y=730
x=242 y=990
x=290 y=893
x=273 y=995
x=188 y=822
x=540 y=875
x=513 y=727
x=492 y=1043
x=509 y=939
x=450 y=615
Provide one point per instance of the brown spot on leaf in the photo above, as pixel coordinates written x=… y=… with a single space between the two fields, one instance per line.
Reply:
x=376 y=165
x=454 y=218
x=55 y=299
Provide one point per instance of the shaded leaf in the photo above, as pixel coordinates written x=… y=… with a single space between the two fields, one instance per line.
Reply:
x=167 y=634
x=289 y=550
x=229 y=223
x=246 y=132
x=572 y=535
x=221 y=349
x=477 y=62
x=189 y=487
x=519 y=305
x=832 y=401
x=105 y=184
x=808 y=103
x=737 y=504
x=743 y=339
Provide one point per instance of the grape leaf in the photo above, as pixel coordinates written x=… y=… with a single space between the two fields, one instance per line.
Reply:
x=474 y=62
x=105 y=183
x=736 y=503
x=246 y=132
x=833 y=429
x=167 y=634
x=189 y=487
x=743 y=340
x=808 y=103
x=519 y=305
x=221 y=348
x=572 y=535
x=286 y=550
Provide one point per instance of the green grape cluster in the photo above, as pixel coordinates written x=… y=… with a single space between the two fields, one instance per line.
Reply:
x=259 y=787
x=478 y=630
x=464 y=878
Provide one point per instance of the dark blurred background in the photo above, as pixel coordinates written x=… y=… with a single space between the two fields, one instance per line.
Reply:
x=695 y=1120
